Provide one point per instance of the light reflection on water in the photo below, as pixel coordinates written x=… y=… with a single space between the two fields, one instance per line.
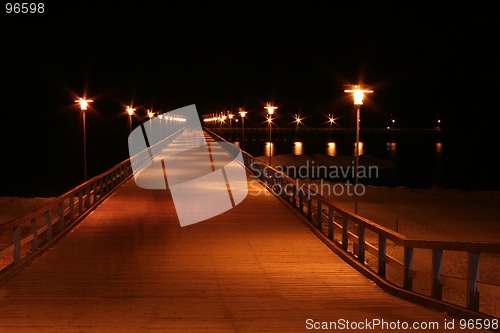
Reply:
x=298 y=148
x=269 y=149
x=361 y=148
x=391 y=149
x=331 y=149
x=439 y=147
x=419 y=163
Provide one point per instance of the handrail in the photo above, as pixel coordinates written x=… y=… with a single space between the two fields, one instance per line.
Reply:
x=324 y=218
x=33 y=232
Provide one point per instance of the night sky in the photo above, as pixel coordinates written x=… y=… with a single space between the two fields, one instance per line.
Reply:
x=422 y=63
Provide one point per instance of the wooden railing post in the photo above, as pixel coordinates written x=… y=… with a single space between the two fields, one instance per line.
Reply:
x=319 y=214
x=408 y=266
x=345 y=238
x=61 y=216
x=472 y=278
x=87 y=196
x=48 y=223
x=330 y=222
x=34 y=234
x=80 y=202
x=294 y=197
x=382 y=248
x=268 y=177
x=104 y=188
x=437 y=268
x=301 y=203
x=361 y=243
x=284 y=189
x=309 y=206
x=71 y=208
x=16 y=239
x=355 y=249
x=95 y=185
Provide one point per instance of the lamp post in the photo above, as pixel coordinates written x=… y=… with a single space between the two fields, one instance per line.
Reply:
x=242 y=114
x=222 y=120
x=230 y=116
x=130 y=112
x=270 y=111
x=83 y=107
x=358 y=95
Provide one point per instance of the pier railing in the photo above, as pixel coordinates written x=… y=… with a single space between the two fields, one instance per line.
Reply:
x=21 y=239
x=386 y=256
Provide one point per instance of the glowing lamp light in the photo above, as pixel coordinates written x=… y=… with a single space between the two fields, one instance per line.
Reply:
x=297 y=120
x=130 y=110
x=242 y=113
x=358 y=94
x=84 y=103
x=270 y=108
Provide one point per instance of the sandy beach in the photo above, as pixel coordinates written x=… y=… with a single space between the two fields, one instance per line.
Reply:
x=13 y=207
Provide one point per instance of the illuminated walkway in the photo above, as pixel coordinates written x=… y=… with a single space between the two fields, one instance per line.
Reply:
x=130 y=267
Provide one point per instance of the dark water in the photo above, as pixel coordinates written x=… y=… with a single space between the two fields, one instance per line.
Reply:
x=450 y=161
x=420 y=160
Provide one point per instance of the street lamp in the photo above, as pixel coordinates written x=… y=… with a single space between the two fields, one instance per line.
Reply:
x=83 y=107
x=358 y=95
x=331 y=120
x=242 y=114
x=130 y=112
x=150 y=114
x=270 y=111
